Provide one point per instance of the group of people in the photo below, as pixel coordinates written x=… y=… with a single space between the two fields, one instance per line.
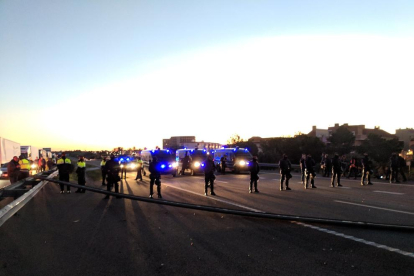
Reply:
x=111 y=169
x=19 y=167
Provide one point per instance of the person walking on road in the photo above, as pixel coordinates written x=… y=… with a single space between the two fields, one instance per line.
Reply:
x=13 y=170
x=328 y=166
x=302 y=168
x=254 y=175
x=285 y=167
x=155 y=177
x=112 y=171
x=80 y=171
x=103 y=171
x=336 y=171
x=209 y=176
x=366 y=170
x=223 y=161
x=140 y=166
x=310 y=171
x=401 y=167
x=64 y=166
x=394 y=165
x=24 y=168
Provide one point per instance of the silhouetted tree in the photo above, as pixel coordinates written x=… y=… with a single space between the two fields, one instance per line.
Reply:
x=342 y=141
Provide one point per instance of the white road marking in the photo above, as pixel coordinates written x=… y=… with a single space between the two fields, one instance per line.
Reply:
x=374 y=207
x=221 y=181
x=377 y=245
x=391 y=193
x=345 y=187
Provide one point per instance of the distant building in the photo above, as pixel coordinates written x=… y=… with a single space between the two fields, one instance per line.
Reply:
x=322 y=134
x=361 y=133
x=405 y=135
x=188 y=142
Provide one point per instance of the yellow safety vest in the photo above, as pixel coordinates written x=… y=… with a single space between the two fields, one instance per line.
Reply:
x=81 y=164
x=24 y=164
x=66 y=161
x=103 y=162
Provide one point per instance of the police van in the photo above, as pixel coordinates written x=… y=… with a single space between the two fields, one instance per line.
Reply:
x=237 y=159
x=197 y=158
x=127 y=161
x=166 y=160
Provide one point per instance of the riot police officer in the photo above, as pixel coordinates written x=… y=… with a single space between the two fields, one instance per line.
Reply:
x=310 y=171
x=394 y=165
x=254 y=174
x=209 y=176
x=285 y=167
x=303 y=168
x=401 y=167
x=139 y=169
x=112 y=171
x=123 y=164
x=80 y=171
x=366 y=169
x=336 y=171
x=65 y=167
x=103 y=171
x=155 y=177
x=223 y=164
x=328 y=166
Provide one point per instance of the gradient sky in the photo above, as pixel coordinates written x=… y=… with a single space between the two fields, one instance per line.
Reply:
x=101 y=74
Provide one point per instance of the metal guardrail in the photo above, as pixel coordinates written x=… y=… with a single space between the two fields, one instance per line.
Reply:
x=22 y=195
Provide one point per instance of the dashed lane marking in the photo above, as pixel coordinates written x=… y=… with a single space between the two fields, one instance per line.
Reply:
x=391 y=193
x=377 y=245
x=374 y=207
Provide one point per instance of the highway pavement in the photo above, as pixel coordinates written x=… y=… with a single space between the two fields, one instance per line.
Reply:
x=68 y=234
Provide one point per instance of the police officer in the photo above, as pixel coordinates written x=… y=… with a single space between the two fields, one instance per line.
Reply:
x=80 y=171
x=254 y=174
x=366 y=168
x=223 y=160
x=310 y=171
x=13 y=170
x=103 y=171
x=401 y=167
x=155 y=177
x=336 y=171
x=285 y=167
x=123 y=164
x=209 y=176
x=186 y=164
x=24 y=168
x=112 y=171
x=303 y=168
x=64 y=166
x=139 y=168
x=394 y=165
x=328 y=166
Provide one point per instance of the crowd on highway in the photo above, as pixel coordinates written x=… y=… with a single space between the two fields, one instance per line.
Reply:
x=111 y=169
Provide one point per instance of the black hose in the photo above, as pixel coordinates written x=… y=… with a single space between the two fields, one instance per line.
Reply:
x=241 y=213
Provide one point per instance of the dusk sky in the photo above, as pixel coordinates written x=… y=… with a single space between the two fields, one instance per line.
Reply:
x=96 y=75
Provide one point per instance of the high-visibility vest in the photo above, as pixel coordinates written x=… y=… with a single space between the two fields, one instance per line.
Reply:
x=81 y=164
x=66 y=161
x=24 y=164
x=103 y=162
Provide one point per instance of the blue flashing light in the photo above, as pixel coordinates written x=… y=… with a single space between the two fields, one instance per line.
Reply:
x=162 y=166
x=127 y=159
x=234 y=149
x=202 y=164
x=153 y=151
x=168 y=150
x=185 y=148
x=246 y=150
x=169 y=166
x=122 y=159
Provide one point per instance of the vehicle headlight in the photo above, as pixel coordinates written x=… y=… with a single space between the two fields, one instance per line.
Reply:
x=175 y=165
x=33 y=166
x=197 y=164
x=122 y=166
x=133 y=166
x=242 y=163
x=1 y=173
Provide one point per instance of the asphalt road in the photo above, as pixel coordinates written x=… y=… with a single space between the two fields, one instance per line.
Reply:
x=84 y=234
